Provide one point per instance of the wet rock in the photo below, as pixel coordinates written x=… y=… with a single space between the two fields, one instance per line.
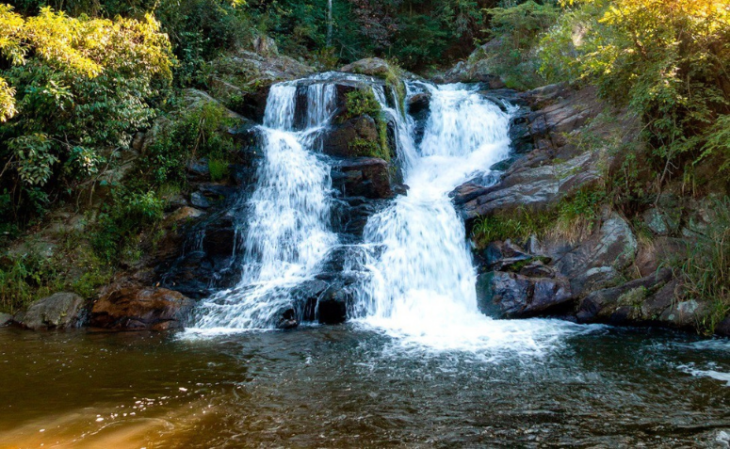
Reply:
x=197 y=199
x=140 y=308
x=5 y=319
x=624 y=303
x=333 y=304
x=419 y=103
x=722 y=328
x=685 y=314
x=58 y=311
x=362 y=177
x=511 y=295
x=286 y=318
x=305 y=297
x=342 y=140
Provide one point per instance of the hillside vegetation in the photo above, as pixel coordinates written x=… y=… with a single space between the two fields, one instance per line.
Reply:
x=79 y=80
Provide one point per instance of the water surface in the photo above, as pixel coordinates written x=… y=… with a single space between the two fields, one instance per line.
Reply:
x=349 y=386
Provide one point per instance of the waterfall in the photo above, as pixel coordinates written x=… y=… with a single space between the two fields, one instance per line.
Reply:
x=414 y=271
x=287 y=233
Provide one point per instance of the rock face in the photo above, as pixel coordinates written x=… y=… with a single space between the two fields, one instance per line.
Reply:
x=58 y=311
x=362 y=177
x=627 y=302
x=140 y=308
x=343 y=138
x=243 y=78
x=553 y=166
x=597 y=260
x=512 y=295
x=369 y=66
x=519 y=284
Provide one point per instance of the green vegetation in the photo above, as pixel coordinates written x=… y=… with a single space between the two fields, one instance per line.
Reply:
x=362 y=102
x=516 y=31
x=706 y=269
x=668 y=61
x=573 y=217
x=73 y=266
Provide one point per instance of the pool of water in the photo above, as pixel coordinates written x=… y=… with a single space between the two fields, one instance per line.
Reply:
x=352 y=386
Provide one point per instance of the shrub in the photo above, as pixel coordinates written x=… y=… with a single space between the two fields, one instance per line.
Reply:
x=73 y=92
x=706 y=269
x=668 y=61
x=518 y=29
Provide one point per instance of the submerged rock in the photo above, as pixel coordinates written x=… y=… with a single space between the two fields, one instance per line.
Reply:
x=58 y=311
x=141 y=308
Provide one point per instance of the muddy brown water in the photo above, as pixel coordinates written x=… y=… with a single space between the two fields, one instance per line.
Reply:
x=346 y=386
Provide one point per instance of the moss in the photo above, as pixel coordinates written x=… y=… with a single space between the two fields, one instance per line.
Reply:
x=218 y=169
x=634 y=297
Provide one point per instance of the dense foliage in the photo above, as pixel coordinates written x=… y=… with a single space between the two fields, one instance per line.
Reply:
x=669 y=61
x=75 y=91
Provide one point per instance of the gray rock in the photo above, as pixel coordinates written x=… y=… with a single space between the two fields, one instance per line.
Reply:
x=595 y=262
x=684 y=313
x=623 y=303
x=58 y=311
x=265 y=46
x=333 y=304
x=654 y=220
x=535 y=187
x=510 y=295
x=197 y=199
x=366 y=177
x=369 y=66
x=5 y=318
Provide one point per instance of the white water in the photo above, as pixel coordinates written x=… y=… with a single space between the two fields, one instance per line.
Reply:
x=421 y=283
x=288 y=231
x=422 y=288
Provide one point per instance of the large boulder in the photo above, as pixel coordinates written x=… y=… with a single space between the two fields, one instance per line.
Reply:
x=352 y=138
x=362 y=177
x=133 y=307
x=243 y=78
x=534 y=187
x=369 y=66
x=59 y=311
x=5 y=319
x=536 y=290
x=597 y=260
x=632 y=302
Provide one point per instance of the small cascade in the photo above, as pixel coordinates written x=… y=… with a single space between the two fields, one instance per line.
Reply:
x=422 y=280
x=288 y=219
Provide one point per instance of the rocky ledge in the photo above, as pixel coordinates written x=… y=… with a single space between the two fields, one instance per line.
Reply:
x=599 y=274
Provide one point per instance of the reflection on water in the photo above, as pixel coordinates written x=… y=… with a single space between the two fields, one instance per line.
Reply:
x=349 y=387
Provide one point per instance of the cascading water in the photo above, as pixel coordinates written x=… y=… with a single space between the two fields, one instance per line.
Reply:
x=288 y=231
x=420 y=280
x=422 y=283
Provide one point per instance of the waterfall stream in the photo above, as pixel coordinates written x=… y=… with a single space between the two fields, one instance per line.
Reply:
x=288 y=223
x=419 y=280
